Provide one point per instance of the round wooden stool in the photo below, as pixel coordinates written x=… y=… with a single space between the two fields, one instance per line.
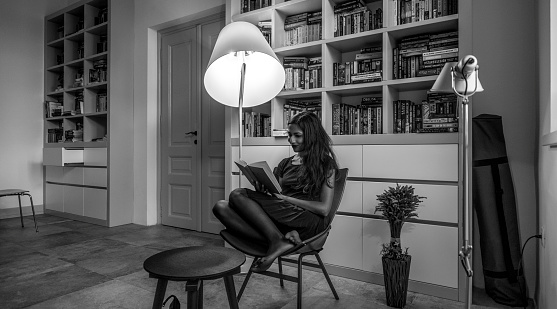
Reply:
x=193 y=265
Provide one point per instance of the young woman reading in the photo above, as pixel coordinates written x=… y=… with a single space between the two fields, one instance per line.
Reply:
x=300 y=211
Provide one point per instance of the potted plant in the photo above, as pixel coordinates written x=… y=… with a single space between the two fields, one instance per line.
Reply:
x=397 y=205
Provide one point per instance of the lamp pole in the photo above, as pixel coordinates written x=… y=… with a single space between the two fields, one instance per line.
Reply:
x=240 y=114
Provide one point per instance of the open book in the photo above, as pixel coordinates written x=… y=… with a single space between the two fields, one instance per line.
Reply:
x=261 y=172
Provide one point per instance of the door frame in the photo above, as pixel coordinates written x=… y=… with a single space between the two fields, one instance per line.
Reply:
x=218 y=13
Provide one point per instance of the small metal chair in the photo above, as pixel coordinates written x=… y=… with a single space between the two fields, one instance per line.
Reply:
x=310 y=246
x=19 y=193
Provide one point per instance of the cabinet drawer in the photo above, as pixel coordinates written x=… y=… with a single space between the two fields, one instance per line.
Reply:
x=344 y=244
x=54 y=197
x=54 y=173
x=73 y=200
x=73 y=175
x=352 y=197
x=94 y=177
x=440 y=204
x=350 y=156
x=95 y=156
x=61 y=156
x=95 y=203
x=423 y=162
x=434 y=250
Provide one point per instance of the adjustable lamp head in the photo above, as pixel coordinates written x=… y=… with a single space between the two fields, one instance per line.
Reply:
x=242 y=43
x=460 y=78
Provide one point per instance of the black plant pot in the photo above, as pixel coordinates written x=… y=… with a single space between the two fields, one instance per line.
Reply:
x=395 y=274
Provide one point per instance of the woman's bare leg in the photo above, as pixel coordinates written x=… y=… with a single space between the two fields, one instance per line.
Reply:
x=250 y=211
x=231 y=220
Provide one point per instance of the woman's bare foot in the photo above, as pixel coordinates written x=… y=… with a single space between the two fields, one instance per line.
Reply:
x=293 y=237
x=275 y=250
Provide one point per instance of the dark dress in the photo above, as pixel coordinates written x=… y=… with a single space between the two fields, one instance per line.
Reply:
x=286 y=216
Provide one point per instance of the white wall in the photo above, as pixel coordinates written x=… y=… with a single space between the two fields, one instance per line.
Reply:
x=547 y=294
x=504 y=39
x=150 y=16
x=21 y=98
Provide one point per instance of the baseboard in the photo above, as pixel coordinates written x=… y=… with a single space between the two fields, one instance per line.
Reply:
x=6 y=213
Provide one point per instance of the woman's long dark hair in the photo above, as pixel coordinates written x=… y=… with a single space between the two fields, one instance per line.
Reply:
x=318 y=157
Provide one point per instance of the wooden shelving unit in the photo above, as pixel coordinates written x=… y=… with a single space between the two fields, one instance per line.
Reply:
x=78 y=76
x=429 y=162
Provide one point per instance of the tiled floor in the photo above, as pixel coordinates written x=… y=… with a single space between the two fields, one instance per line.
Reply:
x=71 y=264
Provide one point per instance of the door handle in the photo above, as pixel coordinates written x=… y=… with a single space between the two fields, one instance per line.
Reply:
x=194 y=133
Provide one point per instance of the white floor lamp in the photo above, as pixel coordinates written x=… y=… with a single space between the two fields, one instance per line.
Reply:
x=462 y=79
x=243 y=70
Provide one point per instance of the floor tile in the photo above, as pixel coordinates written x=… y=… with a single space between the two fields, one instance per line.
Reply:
x=111 y=294
x=25 y=291
x=56 y=240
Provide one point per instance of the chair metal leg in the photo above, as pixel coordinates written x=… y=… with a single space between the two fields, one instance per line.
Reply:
x=20 y=211
x=326 y=275
x=33 y=209
x=246 y=280
x=280 y=271
x=230 y=292
x=300 y=282
x=159 y=293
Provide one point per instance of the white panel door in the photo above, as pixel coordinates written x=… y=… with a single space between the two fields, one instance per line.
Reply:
x=179 y=115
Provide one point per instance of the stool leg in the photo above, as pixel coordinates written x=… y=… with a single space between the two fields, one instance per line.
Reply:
x=159 y=293
x=20 y=211
x=192 y=289
x=280 y=271
x=231 y=292
x=33 y=209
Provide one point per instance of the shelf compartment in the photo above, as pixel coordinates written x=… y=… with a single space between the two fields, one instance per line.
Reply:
x=440 y=24
x=95 y=126
x=355 y=41
x=297 y=6
x=95 y=44
x=74 y=48
x=96 y=13
x=54 y=29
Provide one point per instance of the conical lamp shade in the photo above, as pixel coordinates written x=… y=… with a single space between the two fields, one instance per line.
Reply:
x=264 y=76
x=443 y=83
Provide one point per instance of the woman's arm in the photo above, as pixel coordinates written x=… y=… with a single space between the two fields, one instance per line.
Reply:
x=321 y=207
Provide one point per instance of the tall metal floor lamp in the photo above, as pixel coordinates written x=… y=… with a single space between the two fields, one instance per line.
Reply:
x=243 y=70
x=462 y=79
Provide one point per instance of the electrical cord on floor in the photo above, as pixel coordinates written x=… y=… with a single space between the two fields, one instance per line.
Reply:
x=520 y=267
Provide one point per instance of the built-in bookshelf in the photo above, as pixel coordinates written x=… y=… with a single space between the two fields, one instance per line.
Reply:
x=79 y=146
x=372 y=98
x=76 y=77
x=388 y=49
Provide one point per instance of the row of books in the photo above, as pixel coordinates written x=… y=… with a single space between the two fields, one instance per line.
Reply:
x=366 y=67
x=354 y=17
x=53 y=109
x=409 y=11
x=256 y=124
x=366 y=118
x=102 y=102
x=437 y=114
x=250 y=5
x=55 y=135
x=266 y=29
x=302 y=73
x=302 y=28
x=424 y=54
x=293 y=107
